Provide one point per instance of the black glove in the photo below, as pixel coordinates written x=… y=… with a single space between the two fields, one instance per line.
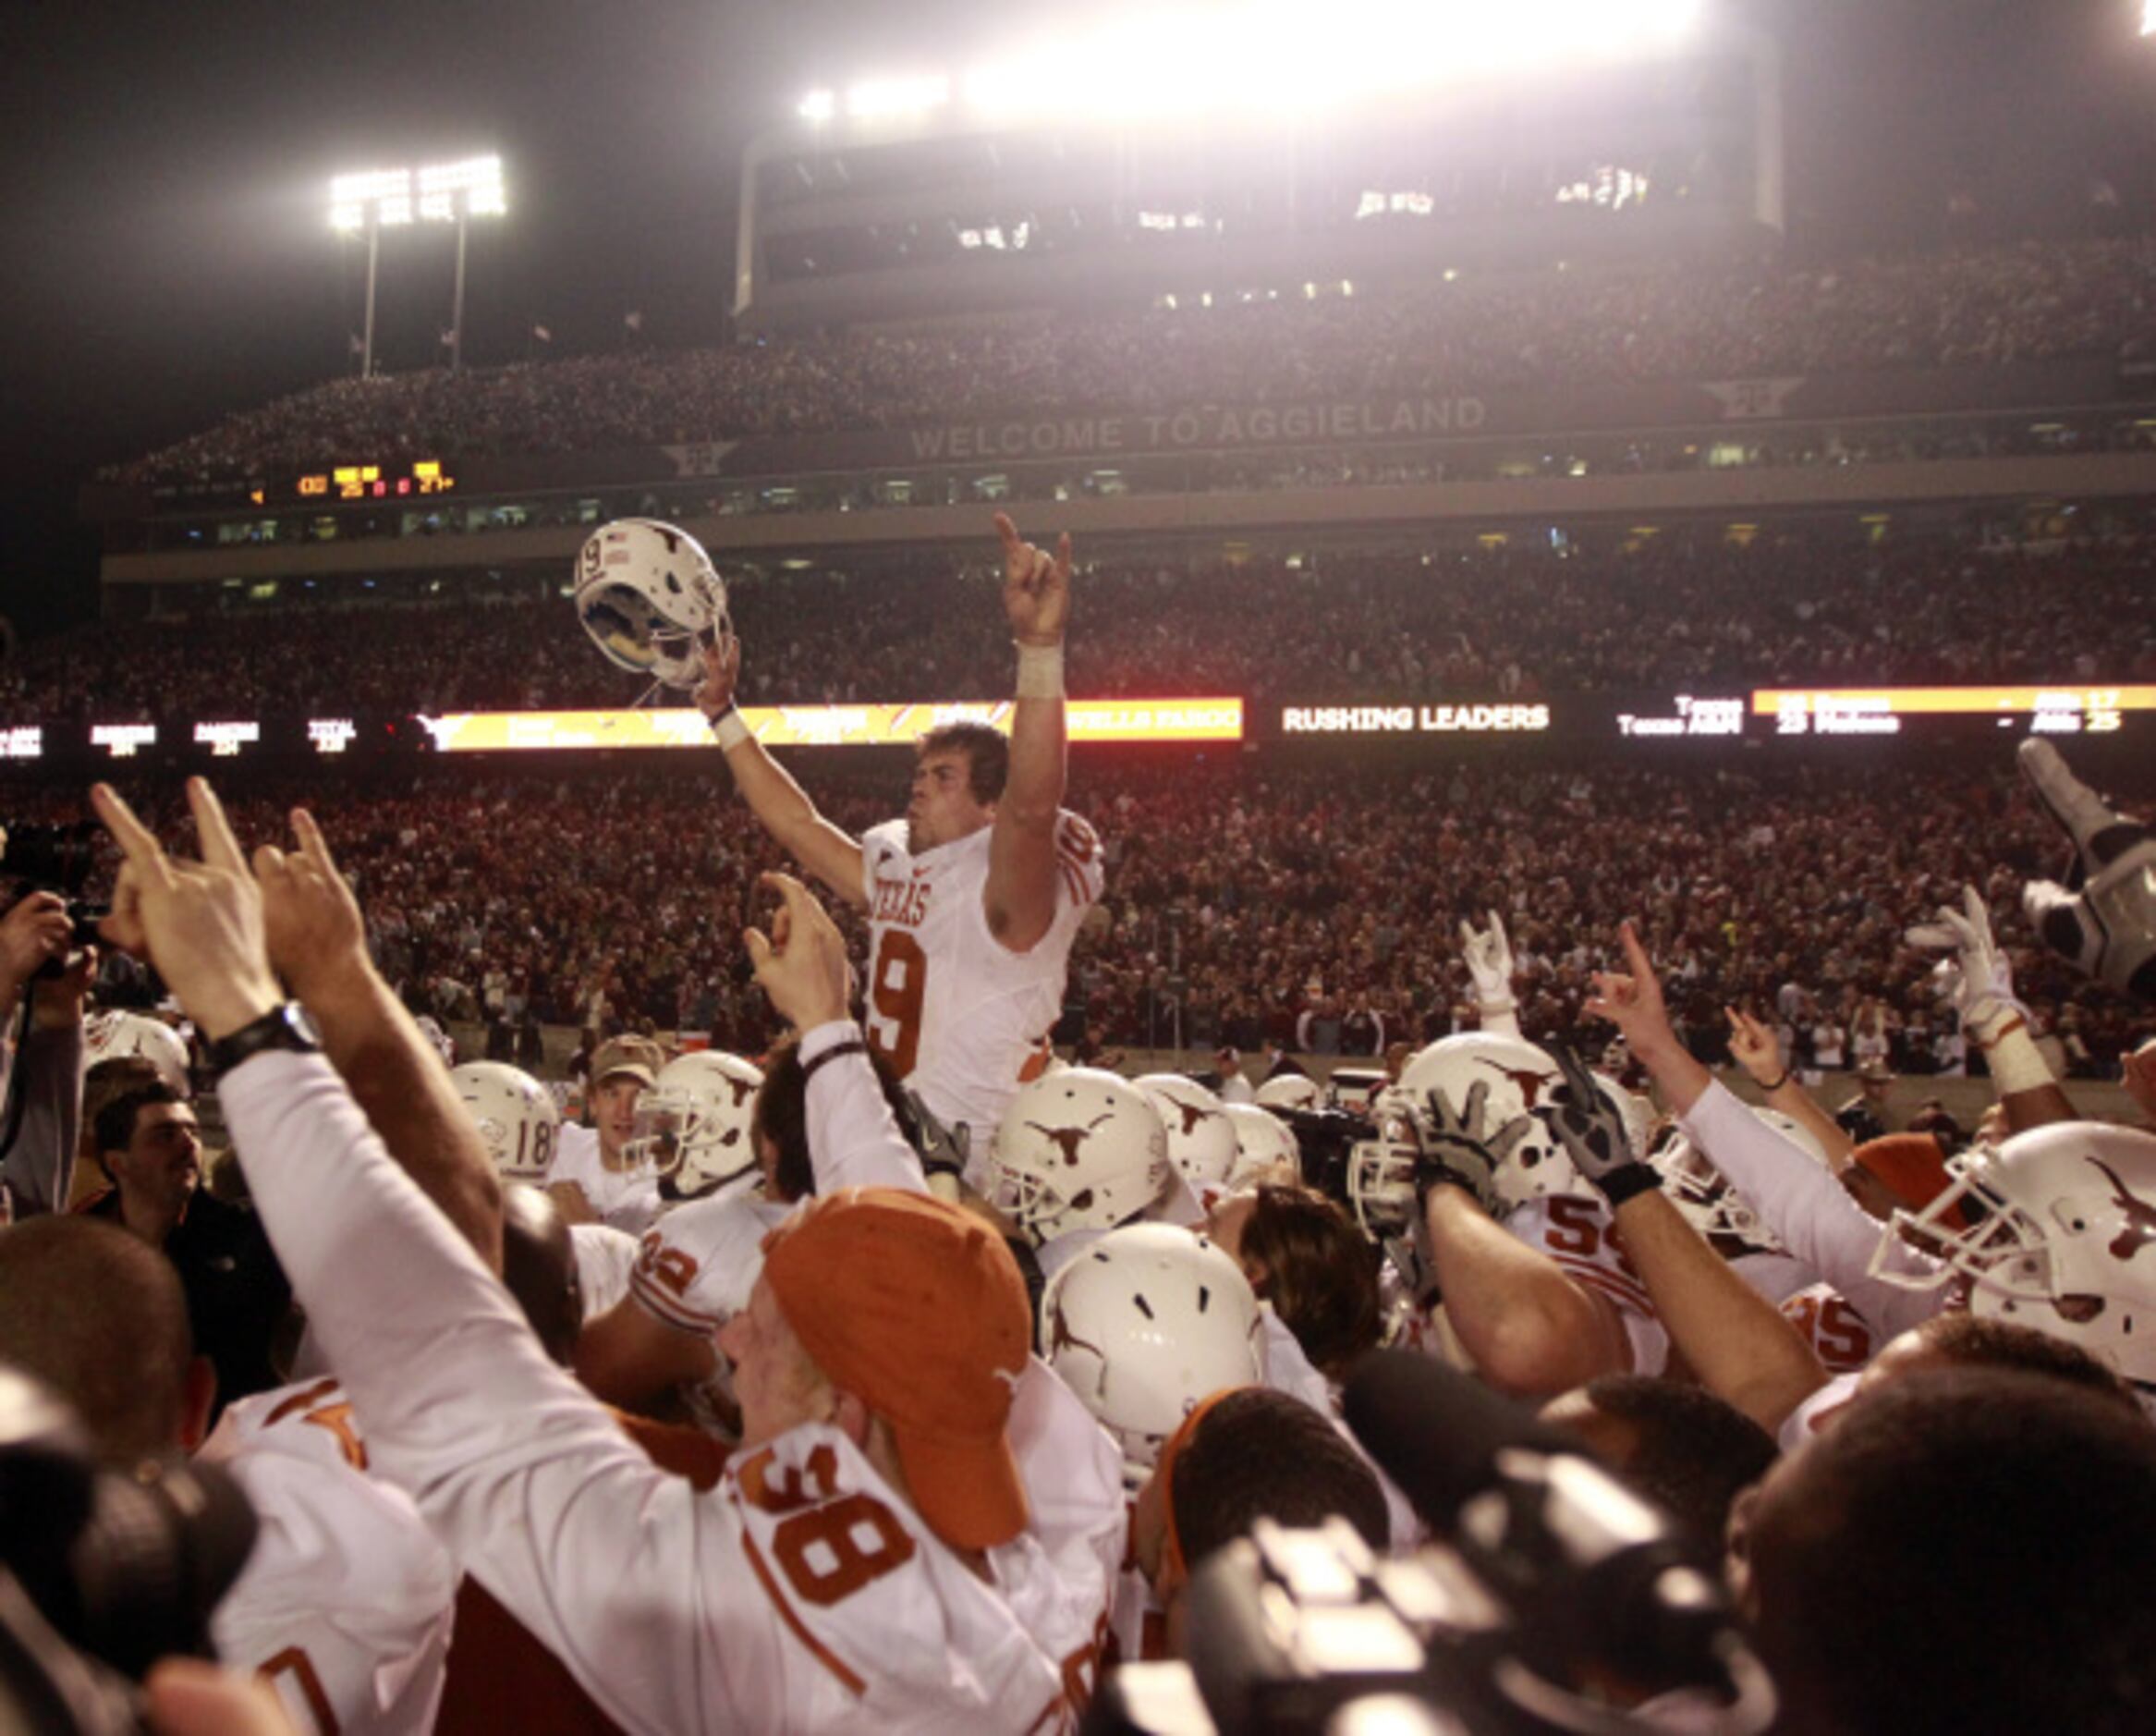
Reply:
x=1593 y=1133
x=1456 y=1147
x=2104 y=919
x=943 y=1150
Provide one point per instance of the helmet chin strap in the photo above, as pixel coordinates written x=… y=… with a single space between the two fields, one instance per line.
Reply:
x=648 y=695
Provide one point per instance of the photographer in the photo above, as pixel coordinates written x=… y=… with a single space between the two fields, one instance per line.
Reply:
x=43 y=1073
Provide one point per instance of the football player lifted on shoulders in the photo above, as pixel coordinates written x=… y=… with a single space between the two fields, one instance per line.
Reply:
x=975 y=895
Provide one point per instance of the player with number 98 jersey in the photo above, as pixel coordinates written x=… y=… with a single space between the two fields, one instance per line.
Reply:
x=961 y=1019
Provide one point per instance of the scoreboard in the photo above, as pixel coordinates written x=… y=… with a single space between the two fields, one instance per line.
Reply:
x=2093 y=710
x=374 y=482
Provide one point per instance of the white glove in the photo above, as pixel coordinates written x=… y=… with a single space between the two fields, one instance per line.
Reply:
x=1489 y=959
x=2104 y=922
x=1977 y=979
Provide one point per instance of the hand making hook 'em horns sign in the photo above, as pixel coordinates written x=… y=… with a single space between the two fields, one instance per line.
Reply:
x=200 y=922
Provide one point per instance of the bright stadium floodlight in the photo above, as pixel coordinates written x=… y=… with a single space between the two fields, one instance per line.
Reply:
x=817 y=107
x=1282 y=56
x=477 y=178
x=378 y=196
x=877 y=99
x=2148 y=17
x=388 y=199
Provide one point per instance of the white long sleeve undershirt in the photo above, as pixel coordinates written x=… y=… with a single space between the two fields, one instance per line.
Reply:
x=854 y=1140
x=1807 y=1208
x=529 y=1483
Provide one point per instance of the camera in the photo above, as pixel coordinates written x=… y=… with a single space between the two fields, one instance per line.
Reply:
x=1324 y=1138
x=1556 y=1600
x=101 y=1573
x=56 y=859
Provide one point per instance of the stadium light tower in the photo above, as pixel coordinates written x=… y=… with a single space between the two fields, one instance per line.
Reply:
x=386 y=199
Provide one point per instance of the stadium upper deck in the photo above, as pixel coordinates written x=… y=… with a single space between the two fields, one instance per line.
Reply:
x=2007 y=373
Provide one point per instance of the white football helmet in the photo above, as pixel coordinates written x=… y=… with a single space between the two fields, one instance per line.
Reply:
x=1290 y=1091
x=1201 y=1140
x=515 y=1115
x=1079 y=1148
x=1262 y=1140
x=1381 y=1171
x=1705 y=1198
x=1521 y=1080
x=2065 y=1242
x=693 y=1123
x=438 y=1039
x=111 y=1037
x=1143 y=1326
x=650 y=599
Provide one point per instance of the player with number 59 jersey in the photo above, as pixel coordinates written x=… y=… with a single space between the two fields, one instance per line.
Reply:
x=975 y=896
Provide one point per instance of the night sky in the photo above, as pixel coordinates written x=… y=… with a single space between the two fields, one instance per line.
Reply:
x=165 y=171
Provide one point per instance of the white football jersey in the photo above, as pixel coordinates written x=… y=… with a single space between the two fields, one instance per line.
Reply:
x=855 y=1616
x=624 y=1200
x=697 y=1264
x=606 y=1258
x=1581 y=1236
x=345 y=1606
x=963 y=1019
x=1073 y=1475
x=1841 y=1338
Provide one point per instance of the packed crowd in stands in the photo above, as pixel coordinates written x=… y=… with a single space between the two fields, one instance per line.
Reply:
x=1582 y=328
x=1517 y=623
x=1257 y=908
x=842 y=1422
x=734 y=1401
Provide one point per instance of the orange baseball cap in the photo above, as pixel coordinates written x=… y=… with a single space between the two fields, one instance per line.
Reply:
x=917 y=1309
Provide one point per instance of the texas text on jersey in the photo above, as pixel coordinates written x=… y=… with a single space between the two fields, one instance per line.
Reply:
x=961 y=1019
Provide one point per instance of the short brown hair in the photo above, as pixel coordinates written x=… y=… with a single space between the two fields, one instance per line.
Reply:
x=780 y=1114
x=1259 y=1454
x=1969 y=1340
x=987 y=752
x=98 y=1315
x=1320 y=1274
x=115 y=1118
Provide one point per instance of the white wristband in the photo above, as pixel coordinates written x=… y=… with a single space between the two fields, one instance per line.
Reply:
x=729 y=729
x=2016 y=1063
x=1041 y=671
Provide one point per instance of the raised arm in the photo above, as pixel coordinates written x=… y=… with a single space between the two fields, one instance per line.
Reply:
x=1631 y=999
x=1980 y=982
x=1020 y=895
x=1488 y=955
x=853 y=1140
x=1529 y=1329
x=1803 y=1204
x=318 y=945
x=779 y=804
x=1732 y=1336
x=527 y=1479
x=39 y=1168
x=1761 y=1056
